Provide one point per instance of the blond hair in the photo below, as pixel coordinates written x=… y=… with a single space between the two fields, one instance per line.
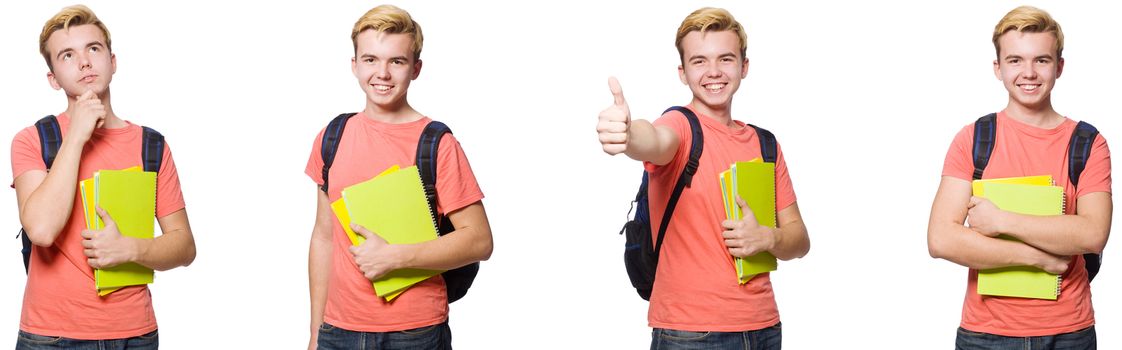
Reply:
x=75 y=15
x=1028 y=19
x=389 y=19
x=709 y=19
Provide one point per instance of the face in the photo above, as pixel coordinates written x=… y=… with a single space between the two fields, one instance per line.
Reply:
x=1028 y=66
x=81 y=60
x=712 y=67
x=384 y=66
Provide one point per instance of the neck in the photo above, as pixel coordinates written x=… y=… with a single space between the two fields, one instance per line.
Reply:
x=401 y=113
x=111 y=119
x=721 y=115
x=1042 y=116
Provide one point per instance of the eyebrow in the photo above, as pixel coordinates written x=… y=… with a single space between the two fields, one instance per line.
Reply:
x=1048 y=56
x=366 y=55
x=70 y=49
x=727 y=54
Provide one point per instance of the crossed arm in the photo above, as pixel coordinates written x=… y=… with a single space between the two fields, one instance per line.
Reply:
x=1047 y=242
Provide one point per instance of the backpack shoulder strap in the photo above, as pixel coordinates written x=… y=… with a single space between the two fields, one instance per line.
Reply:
x=50 y=138
x=768 y=146
x=330 y=144
x=427 y=147
x=1079 y=150
x=985 y=136
x=686 y=178
x=152 y=150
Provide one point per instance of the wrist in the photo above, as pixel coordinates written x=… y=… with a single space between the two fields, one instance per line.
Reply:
x=138 y=248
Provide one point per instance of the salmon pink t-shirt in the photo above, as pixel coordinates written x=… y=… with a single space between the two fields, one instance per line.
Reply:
x=1026 y=150
x=368 y=147
x=60 y=298
x=695 y=286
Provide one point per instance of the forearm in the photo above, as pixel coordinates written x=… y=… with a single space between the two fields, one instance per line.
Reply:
x=791 y=242
x=50 y=199
x=1085 y=232
x=319 y=270
x=965 y=247
x=458 y=248
x=646 y=145
x=174 y=248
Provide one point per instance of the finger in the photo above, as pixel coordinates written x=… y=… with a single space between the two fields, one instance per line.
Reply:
x=617 y=91
x=749 y=215
x=86 y=95
x=615 y=149
x=108 y=220
x=93 y=263
x=728 y=224
x=727 y=235
x=87 y=234
x=974 y=200
x=353 y=250
x=89 y=253
x=362 y=231
x=613 y=138
x=611 y=126
x=87 y=243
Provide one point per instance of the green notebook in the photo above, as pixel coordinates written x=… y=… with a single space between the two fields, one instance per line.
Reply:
x=130 y=199
x=1022 y=281
x=393 y=206
x=755 y=183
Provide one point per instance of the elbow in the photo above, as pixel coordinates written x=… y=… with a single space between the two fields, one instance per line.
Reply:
x=485 y=249
x=41 y=236
x=936 y=247
x=189 y=256
x=1097 y=245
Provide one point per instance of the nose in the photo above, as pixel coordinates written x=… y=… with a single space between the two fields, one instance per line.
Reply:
x=1030 y=71
x=83 y=61
x=712 y=70
x=382 y=71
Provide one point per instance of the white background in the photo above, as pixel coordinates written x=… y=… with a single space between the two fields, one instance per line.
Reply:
x=864 y=96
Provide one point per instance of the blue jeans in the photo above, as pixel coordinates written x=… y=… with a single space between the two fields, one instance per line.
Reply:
x=1079 y=340
x=30 y=341
x=770 y=338
x=437 y=336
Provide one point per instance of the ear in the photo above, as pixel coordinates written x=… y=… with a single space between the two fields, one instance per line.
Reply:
x=682 y=75
x=1059 y=68
x=112 y=63
x=416 y=70
x=997 y=69
x=51 y=80
x=744 y=69
x=354 y=66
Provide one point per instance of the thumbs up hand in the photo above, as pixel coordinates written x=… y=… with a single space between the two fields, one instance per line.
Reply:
x=615 y=122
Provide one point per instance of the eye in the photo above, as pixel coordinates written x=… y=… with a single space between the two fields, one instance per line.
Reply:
x=94 y=49
x=67 y=56
x=367 y=60
x=398 y=61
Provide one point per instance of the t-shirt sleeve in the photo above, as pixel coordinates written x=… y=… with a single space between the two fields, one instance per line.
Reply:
x=456 y=186
x=960 y=161
x=169 y=197
x=314 y=169
x=676 y=121
x=1096 y=175
x=26 y=153
x=784 y=190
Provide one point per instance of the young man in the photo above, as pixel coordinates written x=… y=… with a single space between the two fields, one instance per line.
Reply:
x=1031 y=139
x=346 y=312
x=60 y=306
x=696 y=302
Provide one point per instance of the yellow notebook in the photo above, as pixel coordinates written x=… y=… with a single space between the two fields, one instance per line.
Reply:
x=1022 y=281
x=393 y=206
x=754 y=181
x=1039 y=180
x=129 y=196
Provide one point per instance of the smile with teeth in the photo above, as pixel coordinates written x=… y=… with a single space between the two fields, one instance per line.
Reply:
x=380 y=87
x=1029 y=87
x=714 y=87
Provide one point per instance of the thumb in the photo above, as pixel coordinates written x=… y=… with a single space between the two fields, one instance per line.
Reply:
x=365 y=233
x=89 y=94
x=974 y=201
x=105 y=218
x=617 y=91
x=748 y=215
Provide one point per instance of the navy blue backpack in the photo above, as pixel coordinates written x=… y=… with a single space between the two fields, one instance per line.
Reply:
x=457 y=281
x=1078 y=151
x=640 y=256
x=50 y=140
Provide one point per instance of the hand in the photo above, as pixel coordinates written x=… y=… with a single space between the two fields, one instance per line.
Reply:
x=374 y=257
x=1054 y=264
x=312 y=344
x=984 y=217
x=614 y=122
x=107 y=247
x=87 y=115
x=746 y=237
